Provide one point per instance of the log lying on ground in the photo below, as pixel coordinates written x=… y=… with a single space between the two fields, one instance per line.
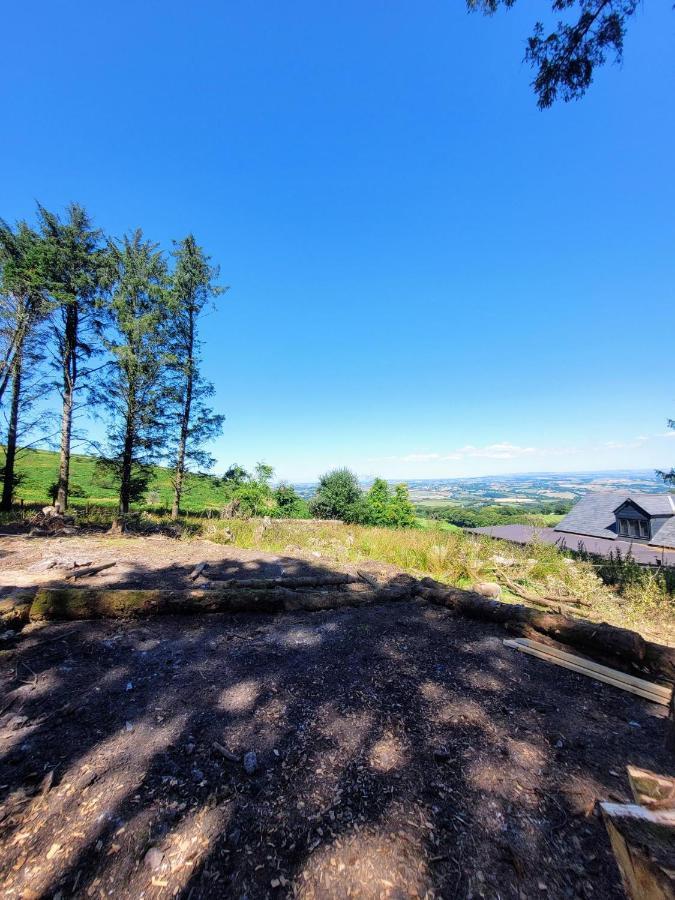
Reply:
x=329 y=579
x=595 y=638
x=552 y=602
x=92 y=603
x=15 y=610
x=90 y=570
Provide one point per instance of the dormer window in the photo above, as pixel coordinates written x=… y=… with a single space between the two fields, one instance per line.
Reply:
x=634 y=528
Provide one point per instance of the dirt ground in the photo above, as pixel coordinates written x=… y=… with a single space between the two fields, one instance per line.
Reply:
x=401 y=751
x=142 y=562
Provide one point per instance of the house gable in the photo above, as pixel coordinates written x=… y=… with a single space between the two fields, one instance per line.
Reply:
x=631 y=510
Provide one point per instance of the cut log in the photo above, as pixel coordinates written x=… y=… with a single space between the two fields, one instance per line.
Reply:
x=90 y=570
x=301 y=581
x=643 y=842
x=94 y=603
x=619 y=645
x=653 y=692
x=15 y=610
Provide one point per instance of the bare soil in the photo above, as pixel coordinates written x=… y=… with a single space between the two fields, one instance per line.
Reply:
x=401 y=751
x=143 y=562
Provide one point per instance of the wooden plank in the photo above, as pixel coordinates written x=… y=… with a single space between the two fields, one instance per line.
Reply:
x=643 y=842
x=660 y=689
x=582 y=670
x=650 y=789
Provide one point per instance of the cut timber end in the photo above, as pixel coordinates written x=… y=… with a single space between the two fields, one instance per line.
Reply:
x=643 y=842
x=651 y=790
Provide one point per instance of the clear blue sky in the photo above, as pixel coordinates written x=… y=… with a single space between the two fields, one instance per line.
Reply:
x=429 y=277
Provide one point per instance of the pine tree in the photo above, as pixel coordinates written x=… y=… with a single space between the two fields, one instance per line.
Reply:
x=137 y=389
x=400 y=511
x=28 y=386
x=73 y=263
x=377 y=502
x=193 y=290
x=22 y=306
x=23 y=300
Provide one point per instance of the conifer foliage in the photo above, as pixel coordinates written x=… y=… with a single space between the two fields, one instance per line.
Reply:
x=193 y=291
x=109 y=327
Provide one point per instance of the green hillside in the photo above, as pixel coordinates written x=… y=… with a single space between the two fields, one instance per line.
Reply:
x=39 y=468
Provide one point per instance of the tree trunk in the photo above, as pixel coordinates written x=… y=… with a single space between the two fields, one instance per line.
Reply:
x=127 y=462
x=179 y=474
x=10 y=450
x=69 y=379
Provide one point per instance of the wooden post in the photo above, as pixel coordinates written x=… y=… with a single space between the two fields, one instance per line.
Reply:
x=643 y=841
x=670 y=726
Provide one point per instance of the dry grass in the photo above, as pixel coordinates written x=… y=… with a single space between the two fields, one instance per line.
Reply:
x=461 y=559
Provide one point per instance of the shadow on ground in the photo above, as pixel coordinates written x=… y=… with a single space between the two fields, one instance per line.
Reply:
x=401 y=752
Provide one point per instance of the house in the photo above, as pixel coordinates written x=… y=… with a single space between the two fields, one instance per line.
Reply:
x=618 y=515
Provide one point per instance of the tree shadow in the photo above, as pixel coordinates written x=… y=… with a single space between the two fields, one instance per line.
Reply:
x=401 y=751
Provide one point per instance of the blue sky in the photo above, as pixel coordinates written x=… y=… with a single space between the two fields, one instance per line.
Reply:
x=429 y=277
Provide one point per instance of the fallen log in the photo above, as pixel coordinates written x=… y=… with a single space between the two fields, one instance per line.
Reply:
x=94 y=603
x=596 y=638
x=15 y=610
x=89 y=570
x=552 y=602
x=300 y=581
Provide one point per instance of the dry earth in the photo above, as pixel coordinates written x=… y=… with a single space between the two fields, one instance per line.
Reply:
x=401 y=751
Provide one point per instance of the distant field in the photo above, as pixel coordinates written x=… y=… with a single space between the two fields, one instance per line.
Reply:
x=39 y=469
x=437 y=524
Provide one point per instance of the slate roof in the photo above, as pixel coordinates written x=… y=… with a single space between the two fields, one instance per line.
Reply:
x=594 y=515
x=523 y=534
x=665 y=536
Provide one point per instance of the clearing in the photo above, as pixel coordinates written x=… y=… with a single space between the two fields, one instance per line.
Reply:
x=401 y=750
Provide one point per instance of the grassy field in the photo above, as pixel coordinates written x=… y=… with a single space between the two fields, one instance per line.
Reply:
x=39 y=469
x=436 y=525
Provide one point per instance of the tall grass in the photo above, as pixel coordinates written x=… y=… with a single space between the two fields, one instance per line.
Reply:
x=461 y=559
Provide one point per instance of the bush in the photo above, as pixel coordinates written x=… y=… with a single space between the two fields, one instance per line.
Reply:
x=337 y=496
x=290 y=505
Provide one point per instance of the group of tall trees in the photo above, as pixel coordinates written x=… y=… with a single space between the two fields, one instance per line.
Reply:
x=111 y=327
x=339 y=496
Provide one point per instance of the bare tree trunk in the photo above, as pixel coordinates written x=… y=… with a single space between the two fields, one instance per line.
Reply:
x=14 y=348
x=179 y=474
x=10 y=451
x=69 y=380
x=127 y=467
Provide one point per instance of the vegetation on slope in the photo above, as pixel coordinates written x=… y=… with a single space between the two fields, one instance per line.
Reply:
x=618 y=591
